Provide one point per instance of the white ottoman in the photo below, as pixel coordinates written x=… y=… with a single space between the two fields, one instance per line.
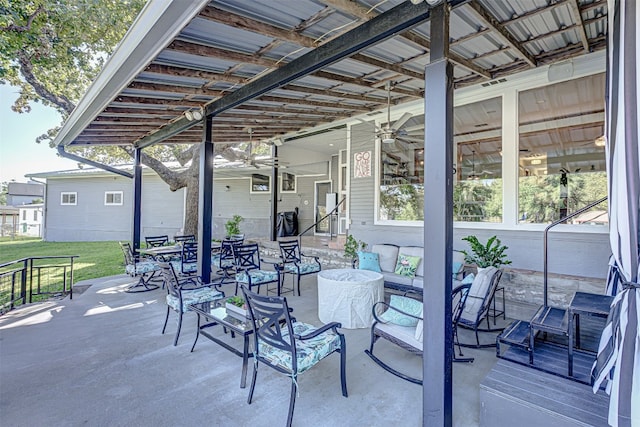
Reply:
x=346 y=295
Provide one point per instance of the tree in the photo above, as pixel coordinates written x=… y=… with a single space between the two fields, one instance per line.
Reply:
x=52 y=50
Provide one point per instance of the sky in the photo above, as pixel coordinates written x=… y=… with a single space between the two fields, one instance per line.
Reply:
x=19 y=152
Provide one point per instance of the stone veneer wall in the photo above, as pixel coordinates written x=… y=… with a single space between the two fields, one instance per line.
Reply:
x=524 y=289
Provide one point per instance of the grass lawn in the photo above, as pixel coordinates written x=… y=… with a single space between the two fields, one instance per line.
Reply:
x=96 y=259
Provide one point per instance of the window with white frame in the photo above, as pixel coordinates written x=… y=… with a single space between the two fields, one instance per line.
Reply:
x=288 y=183
x=260 y=183
x=69 y=198
x=35 y=215
x=113 y=198
x=561 y=155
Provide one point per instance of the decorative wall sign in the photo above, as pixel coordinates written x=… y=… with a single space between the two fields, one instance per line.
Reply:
x=362 y=164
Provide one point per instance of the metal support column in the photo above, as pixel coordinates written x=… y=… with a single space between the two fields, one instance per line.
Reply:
x=137 y=200
x=205 y=202
x=273 y=221
x=438 y=225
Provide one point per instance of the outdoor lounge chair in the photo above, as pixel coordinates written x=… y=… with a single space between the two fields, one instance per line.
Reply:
x=182 y=292
x=476 y=308
x=137 y=266
x=402 y=324
x=296 y=263
x=249 y=271
x=291 y=349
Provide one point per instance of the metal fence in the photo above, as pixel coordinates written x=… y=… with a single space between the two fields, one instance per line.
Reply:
x=33 y=279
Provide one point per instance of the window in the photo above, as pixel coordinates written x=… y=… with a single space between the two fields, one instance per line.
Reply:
x=561 y=158
x=288 y=182
x=69 y=198
x=24 y=215
x=260 y=183
x=113 y=198
x=477 y=188
x=35 y=215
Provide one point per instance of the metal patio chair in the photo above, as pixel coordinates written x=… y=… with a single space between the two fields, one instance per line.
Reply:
x=137 y=266
x=187 y=265
x=249 y=271
x=291 y=349
x=182 y=292
x=295 y=263
x=185 y=238
x=156 y=241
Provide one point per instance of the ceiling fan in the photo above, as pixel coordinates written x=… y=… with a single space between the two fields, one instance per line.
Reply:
x=392 y=133
x=256 y=160
x=473 y=174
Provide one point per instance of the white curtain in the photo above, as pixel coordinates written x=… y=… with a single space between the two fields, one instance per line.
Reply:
x=618 y=360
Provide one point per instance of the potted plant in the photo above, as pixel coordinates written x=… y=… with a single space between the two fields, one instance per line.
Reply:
x=232 y=226
x=236 y=307
x=352 y=246
x=486 y=255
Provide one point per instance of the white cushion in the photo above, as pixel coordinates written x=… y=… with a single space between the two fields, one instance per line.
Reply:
x=419 y=328
x=396 y=278
x=414 y=251
x=406 y=334
x=477 y=294
x=388 y=255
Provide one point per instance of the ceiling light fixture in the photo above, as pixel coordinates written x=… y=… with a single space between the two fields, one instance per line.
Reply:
x=188 y=115
x=192 y=115
x=601 y=141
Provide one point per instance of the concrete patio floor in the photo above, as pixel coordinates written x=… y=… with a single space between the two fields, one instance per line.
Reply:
x=100 y=360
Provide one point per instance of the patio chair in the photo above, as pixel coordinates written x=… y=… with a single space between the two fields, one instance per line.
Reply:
x=187 y=265
x=225 y=261
x=291 y=349
x=185 y=238
x=182 y=292
x=249 y=271
x=295 y=263
x=476 y=307
x=156 y=241
x=137 y=266
x=402 y=324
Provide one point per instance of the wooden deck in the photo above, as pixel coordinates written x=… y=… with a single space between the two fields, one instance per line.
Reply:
x=542 y=393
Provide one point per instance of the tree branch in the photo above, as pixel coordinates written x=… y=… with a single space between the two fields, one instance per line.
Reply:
x=23 y=28
x=175 y=180
x=26 y=69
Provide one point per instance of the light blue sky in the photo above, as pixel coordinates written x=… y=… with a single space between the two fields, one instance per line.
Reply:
x=19 y=153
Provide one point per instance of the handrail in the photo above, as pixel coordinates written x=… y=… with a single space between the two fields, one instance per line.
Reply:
x=553 y=224
x=319 y=221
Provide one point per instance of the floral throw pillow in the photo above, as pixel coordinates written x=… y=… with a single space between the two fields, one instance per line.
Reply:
x=407 y=265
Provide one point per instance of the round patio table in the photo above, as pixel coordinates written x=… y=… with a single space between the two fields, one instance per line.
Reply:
x=347 y=296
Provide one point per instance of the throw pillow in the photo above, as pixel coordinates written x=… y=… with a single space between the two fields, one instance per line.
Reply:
x=407 y=265
x=468 y=279
x=456 y=268
x=408 y=305
x=368 y=261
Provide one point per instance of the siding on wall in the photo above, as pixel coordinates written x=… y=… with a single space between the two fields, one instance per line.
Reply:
x=91 y=220
x=362 y=190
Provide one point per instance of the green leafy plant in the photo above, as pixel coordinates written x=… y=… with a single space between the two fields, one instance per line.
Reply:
x=486 y=255
x=236 y=300
x=232 y=226
x=352 y=246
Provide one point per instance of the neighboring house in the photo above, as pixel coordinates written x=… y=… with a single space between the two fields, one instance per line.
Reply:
x=8 y=220
x=31 y=220
x=90 y=204
x=93 y=205
x=24 y=193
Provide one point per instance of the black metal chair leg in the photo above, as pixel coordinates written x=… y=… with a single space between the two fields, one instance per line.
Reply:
x=343 y=363
x=292 y=402
x=166 y=318
x=175 y=341
x=253 y=382
x=197 y=334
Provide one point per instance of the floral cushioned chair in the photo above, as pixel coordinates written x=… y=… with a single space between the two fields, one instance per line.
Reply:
x=293 y=348
x=182 y=292
x=295 y=262
x=248 y=271
x=136 y=266
x=402 y=324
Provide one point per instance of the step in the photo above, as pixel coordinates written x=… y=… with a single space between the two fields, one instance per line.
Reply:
x=550 y=319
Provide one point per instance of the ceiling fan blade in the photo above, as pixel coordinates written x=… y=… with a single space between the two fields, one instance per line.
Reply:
x=402 y=121
x=411 y=140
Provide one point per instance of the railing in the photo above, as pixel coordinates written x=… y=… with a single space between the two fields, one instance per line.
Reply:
x=334 y=210
x=24 y=280
x=546 y=232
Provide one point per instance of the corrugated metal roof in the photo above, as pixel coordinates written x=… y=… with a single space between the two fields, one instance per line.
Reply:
x=230 y=43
